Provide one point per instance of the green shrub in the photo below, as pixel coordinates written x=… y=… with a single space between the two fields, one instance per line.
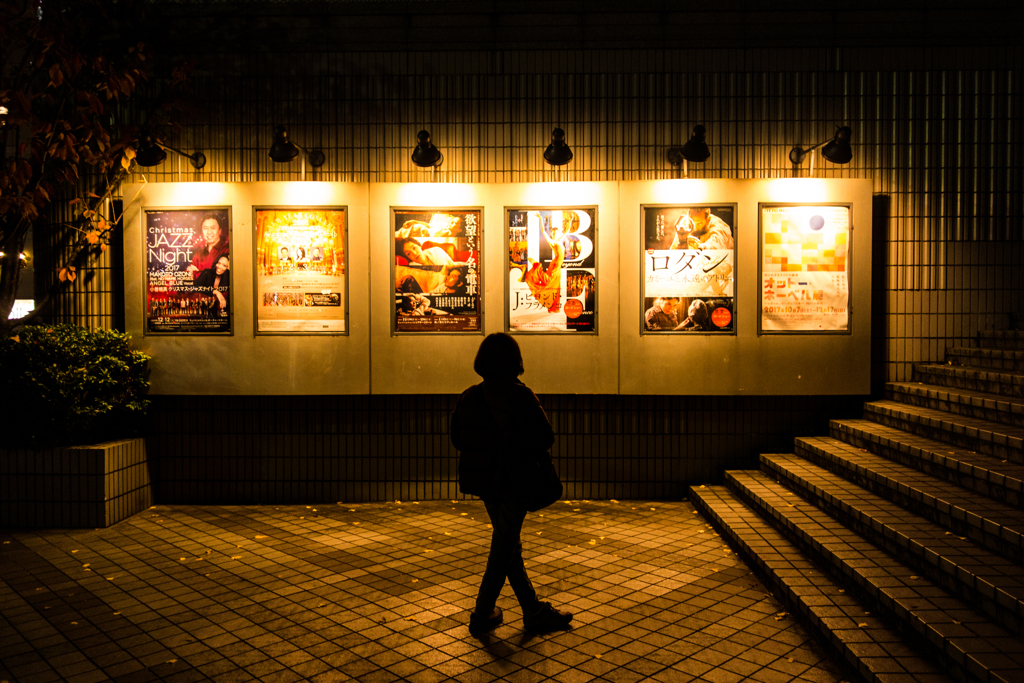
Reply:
x=64 y=385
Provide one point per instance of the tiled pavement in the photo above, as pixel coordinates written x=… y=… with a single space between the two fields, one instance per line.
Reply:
x=381 y=592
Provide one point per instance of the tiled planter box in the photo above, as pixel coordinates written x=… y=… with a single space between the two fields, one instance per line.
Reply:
x=76 y=487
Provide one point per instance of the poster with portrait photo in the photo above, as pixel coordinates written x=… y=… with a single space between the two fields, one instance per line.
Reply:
x=436 y=270
x=300 y=270
x=552 y=275
x=689 y=276
x=805 y=268
x=188 y=271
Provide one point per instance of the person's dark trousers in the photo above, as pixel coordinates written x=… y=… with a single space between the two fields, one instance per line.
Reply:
x=505 y=560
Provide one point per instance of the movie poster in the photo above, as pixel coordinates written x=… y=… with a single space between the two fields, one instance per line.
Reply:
x=300 y=266
x=689 y=269
x=188 y=271
x=437 y=270
x=552 y=275
x=805 y=268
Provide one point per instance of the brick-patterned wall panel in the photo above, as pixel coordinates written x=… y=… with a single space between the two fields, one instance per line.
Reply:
x=328 y=449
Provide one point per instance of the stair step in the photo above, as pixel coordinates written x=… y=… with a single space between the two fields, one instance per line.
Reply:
x=984 y=474
x=1010 y=360
x=1001 y=339
x=1004 y=383
x=1005 y=442
x=987 y=522
x=969 y=643
x=991 y=583
x=865 y=642
x=979 y=404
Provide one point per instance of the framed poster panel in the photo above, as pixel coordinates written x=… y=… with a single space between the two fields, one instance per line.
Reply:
x=186 y=252
x=552 y=270
x=804 y=257
x=689 y=273
x=436 y=270
x=301 y=256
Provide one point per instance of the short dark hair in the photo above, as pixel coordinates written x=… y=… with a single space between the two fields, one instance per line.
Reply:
x=499 y=357
x=699 y=312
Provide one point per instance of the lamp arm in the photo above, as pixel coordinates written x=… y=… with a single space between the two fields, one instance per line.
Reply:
x=797 y=154
x=198 y=159
x=315 y=157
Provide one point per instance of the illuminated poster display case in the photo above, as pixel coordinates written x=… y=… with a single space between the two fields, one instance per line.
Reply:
x=827 y=353
x=301 y=258
x=689 y=271
x=804 y=260
x=552 y=270
x=187 y=256
x=436 y=270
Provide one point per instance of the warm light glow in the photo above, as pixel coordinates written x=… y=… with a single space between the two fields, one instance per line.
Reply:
x=438 y=194
x=22 y=307
x=195 y=194
x=680 y=191
x=801 y=190
x=560 y=194
x=308 y=193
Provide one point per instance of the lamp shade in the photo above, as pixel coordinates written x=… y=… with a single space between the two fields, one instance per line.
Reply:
x=695 y=149
x=282 y=149
x=149 y=153
x=838 y=150
x=426 y=155
x=558 y=153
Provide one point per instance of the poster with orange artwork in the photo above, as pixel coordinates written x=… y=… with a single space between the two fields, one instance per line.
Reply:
x=552 y=270
x=300 y=270
x=805 y=268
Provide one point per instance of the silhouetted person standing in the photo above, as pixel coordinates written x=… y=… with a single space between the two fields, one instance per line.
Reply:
x=498 y=425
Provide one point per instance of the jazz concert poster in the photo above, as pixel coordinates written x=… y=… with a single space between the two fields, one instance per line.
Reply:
x=188 y=271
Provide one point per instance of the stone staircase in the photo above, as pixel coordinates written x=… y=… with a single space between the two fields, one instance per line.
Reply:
x=900 y=536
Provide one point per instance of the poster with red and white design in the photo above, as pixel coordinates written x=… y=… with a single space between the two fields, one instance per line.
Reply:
x=552 y=276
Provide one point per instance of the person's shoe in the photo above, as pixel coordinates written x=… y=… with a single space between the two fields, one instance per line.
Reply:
x=546 y=618
x=479 y=624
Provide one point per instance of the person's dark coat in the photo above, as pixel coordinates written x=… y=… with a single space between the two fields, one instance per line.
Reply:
x=498 y=426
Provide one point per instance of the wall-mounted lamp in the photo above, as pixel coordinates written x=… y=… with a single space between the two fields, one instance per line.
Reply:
x=695 y=149
x=3 y=116
x=837 y=150
x=558 y=153
x=151 y=153
x=284 y=149
x=426 y=155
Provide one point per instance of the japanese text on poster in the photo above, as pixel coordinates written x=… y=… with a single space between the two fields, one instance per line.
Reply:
x=805 y=268
x=689 y=269
x=300 y=263
x=552 y=270
x=188 y=271
x=437 y=270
